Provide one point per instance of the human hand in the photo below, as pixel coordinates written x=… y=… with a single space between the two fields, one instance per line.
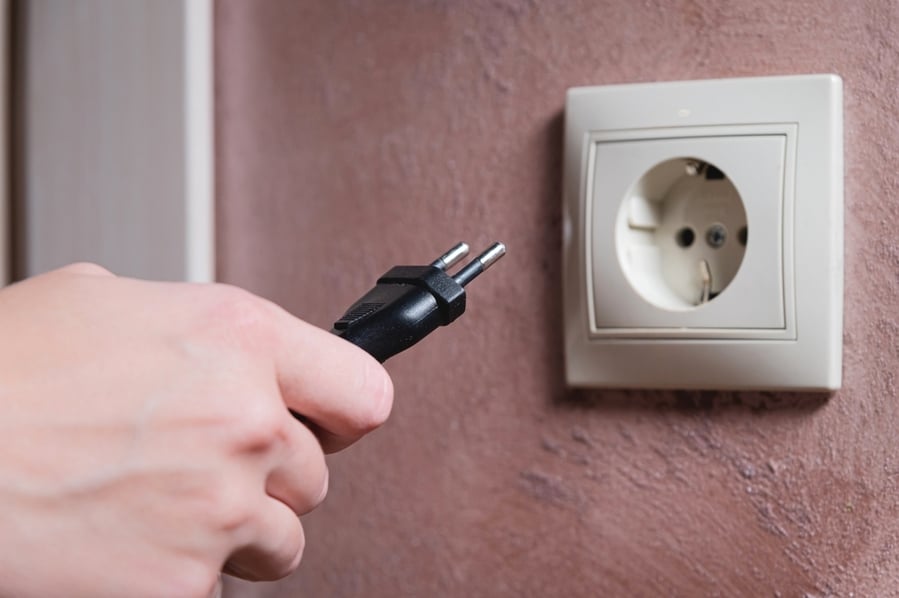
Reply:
x=145 y=442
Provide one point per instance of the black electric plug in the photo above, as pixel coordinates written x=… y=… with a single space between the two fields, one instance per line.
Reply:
x=410 y=302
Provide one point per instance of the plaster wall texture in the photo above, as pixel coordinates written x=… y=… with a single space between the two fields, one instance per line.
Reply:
x=353 y=135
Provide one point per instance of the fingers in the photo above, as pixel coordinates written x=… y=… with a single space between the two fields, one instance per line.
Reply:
x=340 y=389
x=274 y=547
x=300 y=479
x=269 y=546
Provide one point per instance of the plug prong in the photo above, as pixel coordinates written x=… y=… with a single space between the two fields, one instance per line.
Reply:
x=451 y=257
x=480 y=263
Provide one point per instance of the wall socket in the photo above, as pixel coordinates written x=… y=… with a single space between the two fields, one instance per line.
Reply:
x=681 y=233
x=703 y=234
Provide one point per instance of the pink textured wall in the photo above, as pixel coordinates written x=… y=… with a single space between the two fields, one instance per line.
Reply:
x=353 y=135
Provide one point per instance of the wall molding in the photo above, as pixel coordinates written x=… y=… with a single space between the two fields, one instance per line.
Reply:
x=114 y=160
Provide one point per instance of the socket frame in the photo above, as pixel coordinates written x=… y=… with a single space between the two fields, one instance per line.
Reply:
x=803 y=354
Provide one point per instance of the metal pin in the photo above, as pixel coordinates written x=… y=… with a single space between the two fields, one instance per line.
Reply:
x=480 y=263
x=705 y=277
x=451 y=257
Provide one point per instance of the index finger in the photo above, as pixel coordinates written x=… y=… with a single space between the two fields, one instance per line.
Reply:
x=342 y=390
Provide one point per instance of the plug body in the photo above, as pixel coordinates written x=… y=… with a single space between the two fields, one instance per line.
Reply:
x=409 y=302
x=406 y=305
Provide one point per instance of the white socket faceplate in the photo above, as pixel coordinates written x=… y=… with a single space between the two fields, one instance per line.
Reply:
x=778 y=324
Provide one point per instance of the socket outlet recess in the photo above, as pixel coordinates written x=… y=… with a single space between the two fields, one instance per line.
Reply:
x=703 y=234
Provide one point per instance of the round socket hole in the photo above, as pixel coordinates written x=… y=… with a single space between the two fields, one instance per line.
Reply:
x=685 y=237
x=675 y=231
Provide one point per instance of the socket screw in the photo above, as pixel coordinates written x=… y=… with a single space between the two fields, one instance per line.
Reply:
x=716 y=236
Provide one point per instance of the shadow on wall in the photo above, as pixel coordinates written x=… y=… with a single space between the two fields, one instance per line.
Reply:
x=631 y=399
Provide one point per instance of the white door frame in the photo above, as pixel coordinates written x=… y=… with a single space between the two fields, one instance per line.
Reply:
x=116 y=117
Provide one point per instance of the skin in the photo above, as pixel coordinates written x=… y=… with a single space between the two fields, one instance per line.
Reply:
x=145 y=442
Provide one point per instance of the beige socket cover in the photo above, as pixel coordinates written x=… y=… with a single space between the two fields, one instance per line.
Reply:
x=777 y=324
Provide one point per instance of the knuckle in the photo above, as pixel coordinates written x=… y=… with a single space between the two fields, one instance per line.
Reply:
x=240 y=312
x=85 y=268
x=231 y=511
x=258 y=426
x=300 y=480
